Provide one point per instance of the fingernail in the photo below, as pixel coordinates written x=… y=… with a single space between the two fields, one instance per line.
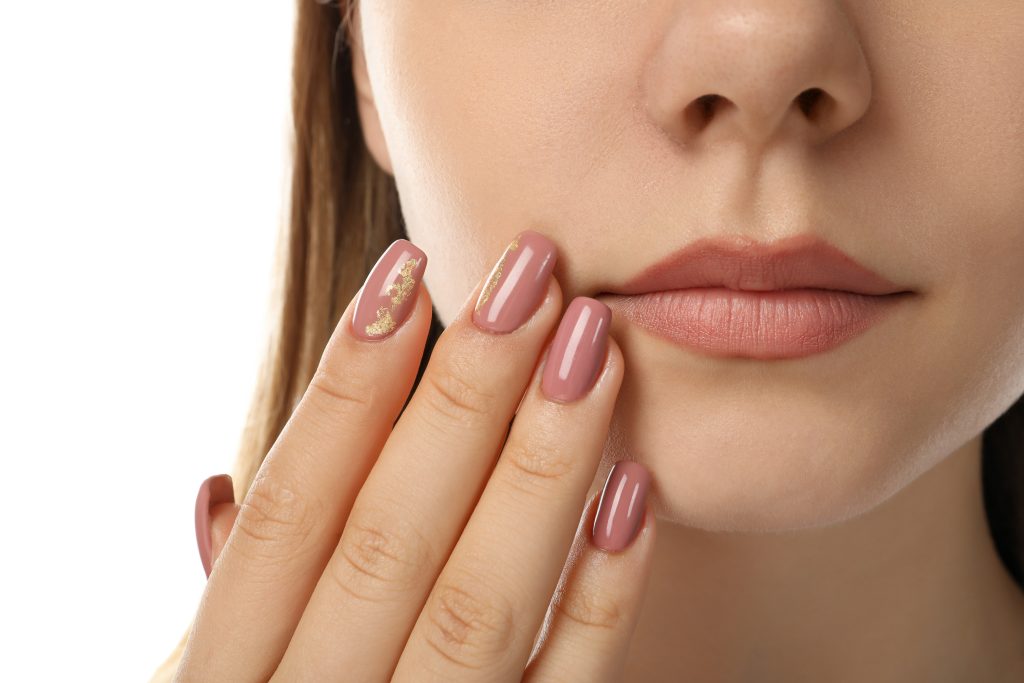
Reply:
x=516 y=284
x=213 y=491
x=577 y=352
x=620 y=512
x=388 y=295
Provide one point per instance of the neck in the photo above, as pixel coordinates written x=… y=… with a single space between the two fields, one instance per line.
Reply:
x=912 y=590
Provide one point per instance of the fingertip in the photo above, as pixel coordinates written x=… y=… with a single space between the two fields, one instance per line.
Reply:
x=423 y=309
x=611 y=374
x=622 y=511
x=648 y=527
x=616 y=360
x=222 y=520
x=419 y=314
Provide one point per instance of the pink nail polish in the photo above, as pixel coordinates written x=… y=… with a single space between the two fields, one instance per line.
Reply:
x=213 y=491
x=516 y=284
x=389 y=293
x=620 y=512
x=577 y=351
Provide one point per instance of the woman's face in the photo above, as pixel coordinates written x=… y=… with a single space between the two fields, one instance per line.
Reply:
x=576 y=119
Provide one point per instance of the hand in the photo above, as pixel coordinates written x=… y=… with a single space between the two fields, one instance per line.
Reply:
x=445 y=560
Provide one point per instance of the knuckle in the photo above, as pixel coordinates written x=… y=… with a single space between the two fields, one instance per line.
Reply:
x=535 y=467
x=468 y=623
x=453 y=393
x=275 y=517
x=341 y=391
x=379 y=556
x=588 y=609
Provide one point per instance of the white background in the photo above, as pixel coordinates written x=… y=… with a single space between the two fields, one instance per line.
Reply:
x=144 y=151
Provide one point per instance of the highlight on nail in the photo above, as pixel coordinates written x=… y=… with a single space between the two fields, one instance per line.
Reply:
x=516 y=284
x=577 y=351
x=621 y=510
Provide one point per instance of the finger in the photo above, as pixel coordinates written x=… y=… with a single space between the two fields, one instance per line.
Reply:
x=214 y=492
x=481 y=616
x=592 y=618
x=293 y=513
x=415 y=502
x=222 y=519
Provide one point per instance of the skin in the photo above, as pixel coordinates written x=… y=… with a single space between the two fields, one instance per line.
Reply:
x=430 y=550
x=819 y=519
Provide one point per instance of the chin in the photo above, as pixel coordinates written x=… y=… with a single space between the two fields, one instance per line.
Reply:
x=756 y=457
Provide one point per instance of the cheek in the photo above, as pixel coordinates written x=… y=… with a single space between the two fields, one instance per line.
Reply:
x=490 y=118
x=967 y=187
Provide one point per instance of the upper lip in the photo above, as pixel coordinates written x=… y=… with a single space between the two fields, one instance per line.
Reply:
x=801 y=262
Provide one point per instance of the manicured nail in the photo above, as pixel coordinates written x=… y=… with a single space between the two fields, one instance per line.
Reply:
x=620 y=512
x=388 y=295
x=517 y=283
x=213 y=491
x=577 y=352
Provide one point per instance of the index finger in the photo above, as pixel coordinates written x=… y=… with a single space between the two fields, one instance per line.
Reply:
x=293 y=515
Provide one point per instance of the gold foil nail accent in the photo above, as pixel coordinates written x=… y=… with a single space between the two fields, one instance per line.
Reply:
x=492 y=282
x=383 y=325
x=399 y=292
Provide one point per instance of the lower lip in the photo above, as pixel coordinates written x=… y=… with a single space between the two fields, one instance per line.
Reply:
x=773 y=324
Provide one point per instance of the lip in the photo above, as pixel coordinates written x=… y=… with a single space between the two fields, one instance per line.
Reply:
x=731 y=296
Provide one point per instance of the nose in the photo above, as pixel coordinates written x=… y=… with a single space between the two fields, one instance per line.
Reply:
x=753 y=71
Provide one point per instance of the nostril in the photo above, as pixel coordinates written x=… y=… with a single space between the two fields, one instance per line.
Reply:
x=700 y=112
x=706 y=104
x=809 y=99
x=813 y=102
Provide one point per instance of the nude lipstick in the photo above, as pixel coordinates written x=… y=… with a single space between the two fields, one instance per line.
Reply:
x=731 y=296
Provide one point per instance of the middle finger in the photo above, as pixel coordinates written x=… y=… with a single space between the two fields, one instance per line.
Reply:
x=413 y=505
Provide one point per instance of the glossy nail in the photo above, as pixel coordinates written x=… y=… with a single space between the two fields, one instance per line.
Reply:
x=516 y=284
x=578 y=350
x=620 y=512
x=389 y=293
x=213 y=491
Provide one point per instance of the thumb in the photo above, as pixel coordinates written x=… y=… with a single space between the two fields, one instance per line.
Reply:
x=216 y=511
